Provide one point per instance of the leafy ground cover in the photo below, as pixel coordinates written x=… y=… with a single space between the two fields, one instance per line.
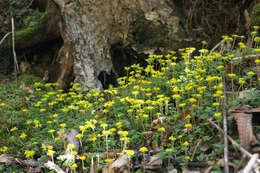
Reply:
x=158 y=109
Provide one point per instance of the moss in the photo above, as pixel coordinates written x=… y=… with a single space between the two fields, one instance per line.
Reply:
x=255 y=15
x=29 y=31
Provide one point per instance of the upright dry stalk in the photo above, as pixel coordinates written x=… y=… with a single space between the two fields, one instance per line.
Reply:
x=16 y=67
x=225 y=127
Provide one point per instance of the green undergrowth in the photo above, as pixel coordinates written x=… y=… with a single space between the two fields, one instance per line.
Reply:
x=161 y=109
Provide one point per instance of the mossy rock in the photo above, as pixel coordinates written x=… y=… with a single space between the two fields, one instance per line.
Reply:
x=255 y=15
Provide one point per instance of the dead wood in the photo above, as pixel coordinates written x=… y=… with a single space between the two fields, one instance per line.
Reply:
x=54 y=167
x=250 y=164
x=244 y=151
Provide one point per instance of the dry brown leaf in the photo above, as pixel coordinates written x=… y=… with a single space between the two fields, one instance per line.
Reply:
x=159 y=121
x=148 y=133
x=155 y=162
x=25 y=88
x=118 y=166
x=6 y=159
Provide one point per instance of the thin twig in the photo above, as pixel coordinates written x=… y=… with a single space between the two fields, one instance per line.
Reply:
x=16 y=67
x=217 y=45
x=244 y=151
x=6 y=35
x=225 y=127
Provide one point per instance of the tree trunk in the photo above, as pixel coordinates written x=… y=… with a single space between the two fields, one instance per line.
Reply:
x=90 y=27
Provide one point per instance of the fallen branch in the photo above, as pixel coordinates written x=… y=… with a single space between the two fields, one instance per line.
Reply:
x=250 y=164
x=246 y=57
x=54 y=167
x=244 y=151
x=6 y=35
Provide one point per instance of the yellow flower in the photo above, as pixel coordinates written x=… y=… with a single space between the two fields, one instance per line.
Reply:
x=172 y=138
x=79 y=135
x=29 y=153
x=106 y=132
x=42 y=110
x=187 y=125
x=14 y=129
x=182 y=104
x=188 y=116
x=55 y=115
x=161 y=129
x=2 y=104
x=135 y=93
x=50 y=153
x=37 y=83
x=192 y=100
x=82 y=157
x=56 y=139
x=176 y=96
x=187 y=157
x=241 y=80
x=51 y=131
x=63 y=125
x=250 y=73
x=29 y=122
x=231 y=75
x=119 y=124
x=129 y=152
x=257 y=61
x=73 y=153
x=186 y=143
x=109 y=160
x=70 y=146
x=112 y=130
x=24 y=110
x=204 y=42
x=215 y=104
x=44 y=147
x=23 y=136
x=4 y=149
x=73 y=166
x=220 y=67
x=143 y=149
x=103 y=125
x=217 y=114
x=168 y=150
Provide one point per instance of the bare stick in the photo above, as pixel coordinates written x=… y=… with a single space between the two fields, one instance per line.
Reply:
x=217 y=45
x=244 y=151
x=16 y=67
x=247 y=57
x=6 y=35
x=225 y=127
x=250 y=164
